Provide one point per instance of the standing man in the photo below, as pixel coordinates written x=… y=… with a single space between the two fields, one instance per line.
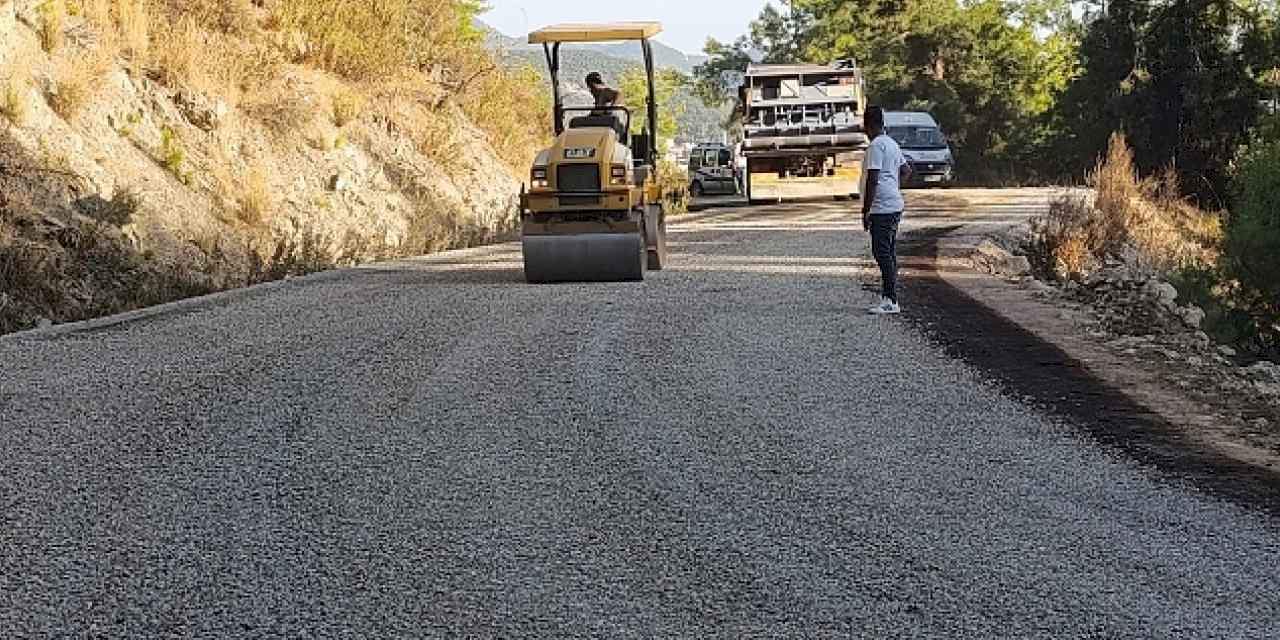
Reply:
x=882 y=204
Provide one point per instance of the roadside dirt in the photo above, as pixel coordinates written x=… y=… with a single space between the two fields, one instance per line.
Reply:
x=1152 y=409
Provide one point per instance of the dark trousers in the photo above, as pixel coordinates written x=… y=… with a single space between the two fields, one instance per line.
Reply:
x=884 y=245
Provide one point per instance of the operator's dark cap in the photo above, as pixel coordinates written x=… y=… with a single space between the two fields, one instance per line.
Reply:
x=594 y=78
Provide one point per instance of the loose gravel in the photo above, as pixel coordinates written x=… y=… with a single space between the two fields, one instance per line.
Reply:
x=730 y=449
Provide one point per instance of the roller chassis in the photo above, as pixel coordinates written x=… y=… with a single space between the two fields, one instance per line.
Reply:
x=593 y=246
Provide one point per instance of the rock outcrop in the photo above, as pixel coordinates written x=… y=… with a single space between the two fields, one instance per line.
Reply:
x=211 y=180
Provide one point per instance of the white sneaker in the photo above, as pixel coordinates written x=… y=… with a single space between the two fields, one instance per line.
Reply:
x=886 y=307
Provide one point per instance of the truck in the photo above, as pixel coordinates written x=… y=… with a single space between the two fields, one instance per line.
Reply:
x=802 y=133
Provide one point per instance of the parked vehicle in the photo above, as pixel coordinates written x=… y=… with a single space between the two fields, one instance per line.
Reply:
x=712 y=169
x=594 y=208
x=924 y=145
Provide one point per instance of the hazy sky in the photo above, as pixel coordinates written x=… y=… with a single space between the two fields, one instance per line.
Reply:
x=686 y=23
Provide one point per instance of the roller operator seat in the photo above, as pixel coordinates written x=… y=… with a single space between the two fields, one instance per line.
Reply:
x=605 y=120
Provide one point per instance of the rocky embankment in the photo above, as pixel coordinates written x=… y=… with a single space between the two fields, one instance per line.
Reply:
x=183 y=189
x=1142 y=317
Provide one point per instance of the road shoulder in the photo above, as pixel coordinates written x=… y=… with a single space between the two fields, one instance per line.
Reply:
x=1037 y=348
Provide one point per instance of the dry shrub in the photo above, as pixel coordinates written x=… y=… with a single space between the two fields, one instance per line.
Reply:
x=232 y=17
x=256 y=201
x=347 y=106
x=434 y=136
x=282 y=109
x=176 y=51
x=53 y=16
x=123 y=26
x=417 y=115
x=77 y=81
x=1142 y=221
x=362 y=40
x=133 y=26
x=511 y=107
x=183 y=53
x=83 y=270
x=673 y=183
x=438 y=225
x=13 y=102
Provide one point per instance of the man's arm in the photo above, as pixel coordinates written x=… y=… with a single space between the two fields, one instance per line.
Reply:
x=873 y=178
x=904 y=173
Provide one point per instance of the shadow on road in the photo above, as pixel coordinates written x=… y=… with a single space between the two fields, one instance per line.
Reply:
x=1046 y=376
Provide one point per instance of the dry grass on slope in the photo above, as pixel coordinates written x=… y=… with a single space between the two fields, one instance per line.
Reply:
x=247 y=103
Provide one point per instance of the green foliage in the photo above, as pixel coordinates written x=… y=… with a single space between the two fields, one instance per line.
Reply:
x=1252 y=247
x=982 y=68
x=635 y=91
x=775 y=37
x=173 y=154
x=1224 y=320
x=1178 y=78
x=988 y=70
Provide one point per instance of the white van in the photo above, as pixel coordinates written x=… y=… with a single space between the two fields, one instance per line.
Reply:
x=712 y=170
x=923 y=144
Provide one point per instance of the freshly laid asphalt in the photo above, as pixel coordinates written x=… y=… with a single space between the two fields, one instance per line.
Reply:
x=732 y=448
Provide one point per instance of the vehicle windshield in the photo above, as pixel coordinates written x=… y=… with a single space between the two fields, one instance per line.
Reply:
x=917 y=137
x=715 y=158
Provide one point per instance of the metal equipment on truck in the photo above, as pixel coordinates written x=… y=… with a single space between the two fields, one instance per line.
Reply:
x=593 y=210
x=802 y=132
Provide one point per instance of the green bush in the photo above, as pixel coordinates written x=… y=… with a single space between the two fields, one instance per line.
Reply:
x=1224 y=319
x=1252 y=247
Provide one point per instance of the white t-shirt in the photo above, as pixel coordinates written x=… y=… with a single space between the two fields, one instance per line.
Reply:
x=885 y=156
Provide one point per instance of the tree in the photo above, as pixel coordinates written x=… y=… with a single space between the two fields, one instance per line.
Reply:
x=635 y=92
x=775 y=37
x=988 y=70
x=1253 y=235
x=1175 y=78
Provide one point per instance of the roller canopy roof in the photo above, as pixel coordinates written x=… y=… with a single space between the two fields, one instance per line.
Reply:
x=603 y=32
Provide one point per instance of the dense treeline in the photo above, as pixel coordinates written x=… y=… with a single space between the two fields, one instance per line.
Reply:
x=1032 y=90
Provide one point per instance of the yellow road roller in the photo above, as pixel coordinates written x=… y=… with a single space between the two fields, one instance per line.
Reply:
x=593 y=210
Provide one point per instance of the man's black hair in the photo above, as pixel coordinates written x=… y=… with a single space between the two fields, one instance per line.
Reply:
x=875 y=116
x=594 y=78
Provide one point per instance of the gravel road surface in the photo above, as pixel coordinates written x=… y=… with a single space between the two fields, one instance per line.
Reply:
x=730 y=449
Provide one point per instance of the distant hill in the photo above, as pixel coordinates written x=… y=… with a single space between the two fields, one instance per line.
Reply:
x=663 y=56
x=698 y=122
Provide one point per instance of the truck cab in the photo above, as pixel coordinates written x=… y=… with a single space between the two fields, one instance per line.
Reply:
x=923 y=144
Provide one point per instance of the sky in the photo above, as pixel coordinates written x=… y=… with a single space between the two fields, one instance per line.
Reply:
x=686 y=23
